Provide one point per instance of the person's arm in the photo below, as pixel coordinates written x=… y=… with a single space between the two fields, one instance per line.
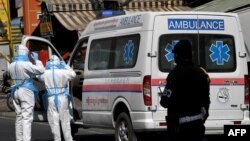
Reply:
x=41 y=77
x=206 y=92
x=70 y=72
x=165 y=98
x=36 y=68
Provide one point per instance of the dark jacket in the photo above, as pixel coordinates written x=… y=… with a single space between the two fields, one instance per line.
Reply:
x=186 y=91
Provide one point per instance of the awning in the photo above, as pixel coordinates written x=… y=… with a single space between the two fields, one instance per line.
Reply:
x=72 y=14
x=75 y=20
x=76 y=14
x=156 y=5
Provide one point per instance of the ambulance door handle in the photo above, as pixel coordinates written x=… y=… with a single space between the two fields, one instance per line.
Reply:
x=242 y=54
x=152 y=54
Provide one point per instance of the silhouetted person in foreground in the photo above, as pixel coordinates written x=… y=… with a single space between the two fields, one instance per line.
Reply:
x=186 y=96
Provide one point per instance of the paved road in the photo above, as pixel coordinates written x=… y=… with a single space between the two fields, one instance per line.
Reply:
x=41 y=132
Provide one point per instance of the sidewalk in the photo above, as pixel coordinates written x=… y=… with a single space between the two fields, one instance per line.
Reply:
x=4 y=110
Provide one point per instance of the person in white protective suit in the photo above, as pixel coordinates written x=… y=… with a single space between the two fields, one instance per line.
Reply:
x=56 y=77
x=23 y=90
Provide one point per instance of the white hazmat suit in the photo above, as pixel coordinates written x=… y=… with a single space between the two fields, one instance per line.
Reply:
x=56 y=77
x=21 y=71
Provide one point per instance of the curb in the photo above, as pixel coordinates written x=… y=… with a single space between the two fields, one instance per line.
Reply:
x=8 y=114
x=3 y=96
x=4 y=110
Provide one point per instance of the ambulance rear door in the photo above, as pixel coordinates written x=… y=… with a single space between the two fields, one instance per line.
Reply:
x=220 y=50
x=168 y=30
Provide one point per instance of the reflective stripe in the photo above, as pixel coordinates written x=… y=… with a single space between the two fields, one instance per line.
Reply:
x=187 y=119
x=56 y=101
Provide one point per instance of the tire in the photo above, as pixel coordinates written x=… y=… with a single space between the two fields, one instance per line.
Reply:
x=74 y=129
x=124 y=129
x=4 y=89
x=9 y=101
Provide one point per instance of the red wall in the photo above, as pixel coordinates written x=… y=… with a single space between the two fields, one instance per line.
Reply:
x=31 y=11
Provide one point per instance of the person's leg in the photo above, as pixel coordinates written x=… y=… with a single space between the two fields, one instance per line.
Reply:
x=18 y=124
x=199 y=131
x=173 y=133
x=65 y=117
x=53 y=119
x=28 y=102
x=193 y=131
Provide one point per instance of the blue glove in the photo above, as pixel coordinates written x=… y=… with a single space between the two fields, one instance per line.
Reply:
x=62 y=63
x=34 y=55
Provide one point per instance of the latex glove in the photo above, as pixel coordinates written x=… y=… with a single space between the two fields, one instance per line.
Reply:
x=34 y=56
x=64 y=65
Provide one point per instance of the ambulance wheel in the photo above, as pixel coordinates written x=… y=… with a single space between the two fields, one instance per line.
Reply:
x=10 y=102
x=124 y=129
x=74 y=130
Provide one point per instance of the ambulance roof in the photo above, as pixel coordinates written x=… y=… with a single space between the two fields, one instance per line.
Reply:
x=138 y=21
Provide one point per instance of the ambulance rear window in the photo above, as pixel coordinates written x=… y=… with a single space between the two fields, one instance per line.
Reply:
x=215 y=53
x=167 y=43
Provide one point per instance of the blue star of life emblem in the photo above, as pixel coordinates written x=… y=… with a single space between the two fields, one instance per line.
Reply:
x=128 y=51
x=169 y=49
x=219 y=53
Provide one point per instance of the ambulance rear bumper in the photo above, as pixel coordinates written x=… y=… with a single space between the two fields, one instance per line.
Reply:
x=143 y=121
x=217 y=126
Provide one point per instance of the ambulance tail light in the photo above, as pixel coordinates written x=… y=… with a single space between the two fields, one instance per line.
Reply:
x=147 y=95
x=246 y=100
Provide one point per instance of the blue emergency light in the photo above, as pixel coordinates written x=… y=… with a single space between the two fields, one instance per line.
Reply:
x=109 y=13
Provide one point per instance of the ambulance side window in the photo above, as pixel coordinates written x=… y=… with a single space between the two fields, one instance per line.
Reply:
x=126 y=51
x=99 y=54
x=114 y=53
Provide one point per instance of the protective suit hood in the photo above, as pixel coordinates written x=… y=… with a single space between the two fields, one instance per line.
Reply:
x=54 y=60
x=22 y=50
x=54 y=63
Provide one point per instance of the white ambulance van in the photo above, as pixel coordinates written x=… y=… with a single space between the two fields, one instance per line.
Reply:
x=122 y=63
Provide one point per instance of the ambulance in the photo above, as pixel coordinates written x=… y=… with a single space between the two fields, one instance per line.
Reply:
x=122 y=64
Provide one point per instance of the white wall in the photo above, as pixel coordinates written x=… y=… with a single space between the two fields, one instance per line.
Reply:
x=244 y=15
x=4 y=65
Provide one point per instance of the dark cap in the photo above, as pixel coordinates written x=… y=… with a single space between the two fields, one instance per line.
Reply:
x=183 y=49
